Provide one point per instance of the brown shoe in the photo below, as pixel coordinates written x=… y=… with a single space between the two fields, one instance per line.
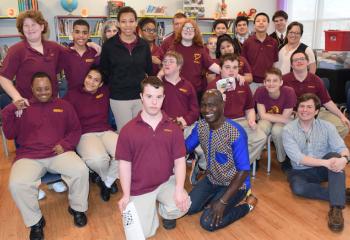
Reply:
x=251 y=200
x=347 y=195
x=335 y=219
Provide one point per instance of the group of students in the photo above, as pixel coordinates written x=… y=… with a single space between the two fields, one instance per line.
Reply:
x=154 y=116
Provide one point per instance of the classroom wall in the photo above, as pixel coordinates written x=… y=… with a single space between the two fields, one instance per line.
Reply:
x=50 y=8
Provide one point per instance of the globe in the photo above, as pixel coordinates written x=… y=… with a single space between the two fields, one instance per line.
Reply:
x=69 y=5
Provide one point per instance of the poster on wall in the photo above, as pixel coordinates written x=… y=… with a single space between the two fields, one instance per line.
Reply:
x=194 y=8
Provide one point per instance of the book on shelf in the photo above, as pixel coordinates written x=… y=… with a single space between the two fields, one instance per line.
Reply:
x=114 y=6
x=65 y=27
x=24 y=5
x=3 y=51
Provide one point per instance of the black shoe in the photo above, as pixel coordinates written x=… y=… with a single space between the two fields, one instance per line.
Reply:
x=335 y=219
x=37 y=230
x=114 y=188
x=286 y=165
x=80 y=219
x=95 y=178
x=169 y=223
x=105 y=192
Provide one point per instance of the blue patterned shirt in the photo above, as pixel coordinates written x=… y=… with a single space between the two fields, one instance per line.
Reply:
x=225 y=149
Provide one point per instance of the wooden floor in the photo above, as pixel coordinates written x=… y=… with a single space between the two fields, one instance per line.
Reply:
x=278 y=215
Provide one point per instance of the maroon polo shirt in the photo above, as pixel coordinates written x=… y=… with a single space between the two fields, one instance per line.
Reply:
x=41 y=127
x=151 y=153
x=286 y=100
x=22 y=61
x=311 y=84
x=237 y=101
x=196 y=60
x=92 y=109
x=157 y=52
x=167 y=43
x=181 y=101
x=76 y=67
x=260 y=55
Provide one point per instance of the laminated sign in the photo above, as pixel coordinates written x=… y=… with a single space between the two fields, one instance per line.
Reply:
x=131 y=222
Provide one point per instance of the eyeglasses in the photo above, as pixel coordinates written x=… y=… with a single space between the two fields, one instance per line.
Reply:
x=168 y=61
x=299 y=59
x=188 y=29
x=149 y=30
x=294 y=33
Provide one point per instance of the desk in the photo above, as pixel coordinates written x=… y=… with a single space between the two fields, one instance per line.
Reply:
x=337 y=79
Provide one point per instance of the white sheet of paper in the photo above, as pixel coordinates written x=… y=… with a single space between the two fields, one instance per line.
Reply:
x=131 y=223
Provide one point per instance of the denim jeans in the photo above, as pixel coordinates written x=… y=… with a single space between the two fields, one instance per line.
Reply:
x=205 y=193
x=307 y=183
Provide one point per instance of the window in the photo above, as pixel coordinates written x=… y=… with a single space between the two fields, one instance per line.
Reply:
x=318 y=16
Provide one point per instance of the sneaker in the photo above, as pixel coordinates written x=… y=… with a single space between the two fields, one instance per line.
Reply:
x=335 y=219
x=41 y=194
x=169 y=224
x=59 y=187
x=251 y=200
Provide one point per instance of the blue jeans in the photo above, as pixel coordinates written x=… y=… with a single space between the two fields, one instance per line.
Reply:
x=307 y=183
x=205 y=193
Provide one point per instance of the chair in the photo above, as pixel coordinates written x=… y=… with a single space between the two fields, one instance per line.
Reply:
x=268 y=158
x=4 y=140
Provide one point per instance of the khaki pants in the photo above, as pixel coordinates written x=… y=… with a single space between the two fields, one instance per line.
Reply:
x=326 y=115
x=125 y=110
x=198 y=150
x=146 y=206
x=95 y=150
x=256 y=139
x=25 y=178
x=275 y=129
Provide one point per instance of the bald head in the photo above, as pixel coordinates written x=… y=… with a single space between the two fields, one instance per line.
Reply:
x=213 y=93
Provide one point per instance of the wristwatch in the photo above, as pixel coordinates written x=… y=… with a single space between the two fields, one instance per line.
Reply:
x=347 y=159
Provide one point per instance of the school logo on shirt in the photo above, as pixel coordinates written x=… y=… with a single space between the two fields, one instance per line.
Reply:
x=311 y=86
x=167 y=130
x=183 y=90
x=89 y=60
x=99 y=96
x=58 y=110
x=197 y=58
x=241 y=91
x=274 y=110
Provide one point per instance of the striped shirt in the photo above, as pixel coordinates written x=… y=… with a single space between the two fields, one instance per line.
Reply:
x=322 y=138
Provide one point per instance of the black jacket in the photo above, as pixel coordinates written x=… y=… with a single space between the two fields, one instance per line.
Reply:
x=123 y=70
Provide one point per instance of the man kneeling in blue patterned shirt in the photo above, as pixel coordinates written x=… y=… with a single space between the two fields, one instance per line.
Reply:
x=227 y=181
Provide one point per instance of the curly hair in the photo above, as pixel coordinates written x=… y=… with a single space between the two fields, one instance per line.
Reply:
x=36 y=15
x=197 y=39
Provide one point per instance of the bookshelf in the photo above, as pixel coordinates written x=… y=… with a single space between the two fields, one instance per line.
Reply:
x=8 y=35
x=64 y=27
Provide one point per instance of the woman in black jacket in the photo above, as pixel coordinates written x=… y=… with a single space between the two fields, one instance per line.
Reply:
x=126 y=60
